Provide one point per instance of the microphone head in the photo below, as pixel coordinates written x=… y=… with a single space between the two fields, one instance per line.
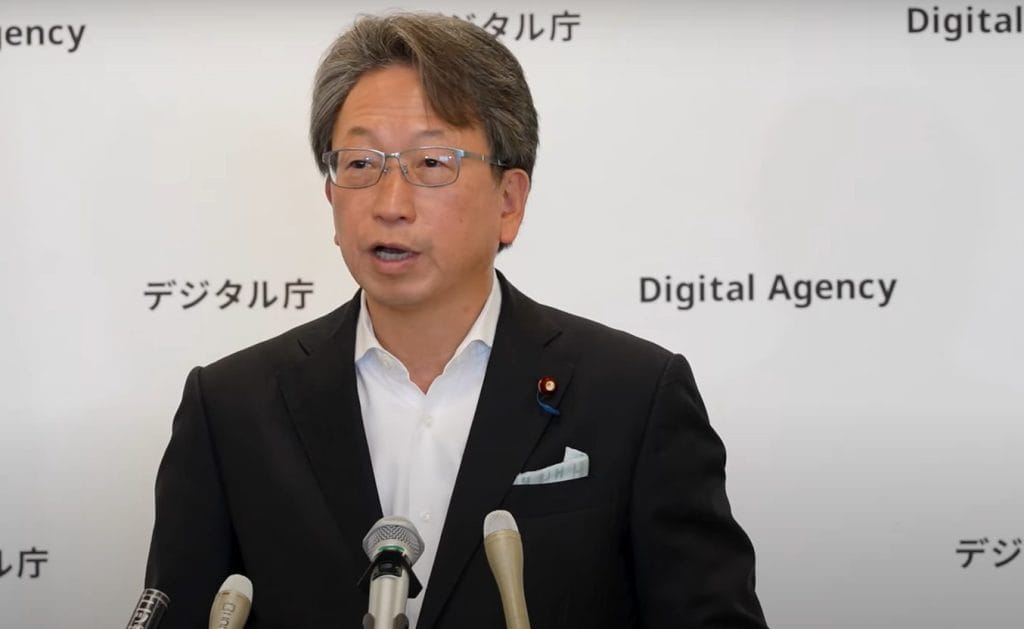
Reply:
x=394 y=533
x=499 y=520
x=238 y=583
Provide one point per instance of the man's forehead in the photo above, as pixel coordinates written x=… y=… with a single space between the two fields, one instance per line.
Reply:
x=359 y=131
x=403 y=131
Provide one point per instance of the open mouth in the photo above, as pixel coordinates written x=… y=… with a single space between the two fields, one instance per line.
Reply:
x=392 y=254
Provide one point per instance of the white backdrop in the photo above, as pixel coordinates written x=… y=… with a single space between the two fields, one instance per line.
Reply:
x=811 y=140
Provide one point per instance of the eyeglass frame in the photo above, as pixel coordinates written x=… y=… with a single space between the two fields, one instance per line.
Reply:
x=459 y=155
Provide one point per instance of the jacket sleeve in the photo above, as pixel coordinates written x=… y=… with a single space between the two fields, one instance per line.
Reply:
x=694 y=564
x=193 y=546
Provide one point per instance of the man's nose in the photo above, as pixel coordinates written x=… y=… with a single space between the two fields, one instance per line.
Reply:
x=395 y=199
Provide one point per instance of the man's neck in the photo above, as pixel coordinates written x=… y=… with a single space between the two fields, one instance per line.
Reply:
x=426 y=338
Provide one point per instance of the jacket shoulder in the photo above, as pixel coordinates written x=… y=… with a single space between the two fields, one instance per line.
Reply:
x=585 y=338
x=600 y=341
x=268 y=357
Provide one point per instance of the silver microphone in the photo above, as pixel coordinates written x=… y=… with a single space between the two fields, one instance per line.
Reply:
x=149 y=610
x=231 y=607
x=393 y=546
x=504 y=548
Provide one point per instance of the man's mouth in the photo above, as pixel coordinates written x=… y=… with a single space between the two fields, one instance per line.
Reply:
x=392 y=254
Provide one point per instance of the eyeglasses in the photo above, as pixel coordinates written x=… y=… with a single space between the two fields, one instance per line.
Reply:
x=427 y=166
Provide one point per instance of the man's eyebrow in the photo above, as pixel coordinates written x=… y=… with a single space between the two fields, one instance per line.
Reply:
x=431 y=133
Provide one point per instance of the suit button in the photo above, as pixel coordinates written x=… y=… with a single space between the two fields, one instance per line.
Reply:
x=428 y=420
x=425 y=516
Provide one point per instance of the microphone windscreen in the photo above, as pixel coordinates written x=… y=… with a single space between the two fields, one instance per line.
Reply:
x=238 y=583
x=500 y=520
x=394 y=531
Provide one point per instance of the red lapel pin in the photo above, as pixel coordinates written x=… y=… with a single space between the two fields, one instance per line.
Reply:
x=545 y=387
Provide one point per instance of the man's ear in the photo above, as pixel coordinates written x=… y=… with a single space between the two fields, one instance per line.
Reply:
x=515 y=187
x=329 y=192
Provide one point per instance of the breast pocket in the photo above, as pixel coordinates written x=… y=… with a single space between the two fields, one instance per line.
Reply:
x=552 y=498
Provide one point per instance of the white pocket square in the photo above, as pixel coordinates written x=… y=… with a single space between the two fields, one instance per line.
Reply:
x=576 y=464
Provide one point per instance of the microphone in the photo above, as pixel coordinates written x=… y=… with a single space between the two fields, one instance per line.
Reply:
x=149 y=610
x=504 y=548
x=230 y=608
x=393 y=546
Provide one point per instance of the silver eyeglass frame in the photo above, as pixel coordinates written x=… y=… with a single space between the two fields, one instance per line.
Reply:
x=459 y=155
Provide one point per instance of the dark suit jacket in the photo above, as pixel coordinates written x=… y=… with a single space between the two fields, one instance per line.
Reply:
x=268 y=474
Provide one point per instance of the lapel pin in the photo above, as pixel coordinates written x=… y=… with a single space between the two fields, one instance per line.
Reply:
x=545 y=387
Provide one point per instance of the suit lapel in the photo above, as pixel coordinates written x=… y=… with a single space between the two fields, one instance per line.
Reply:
x=506 y=427
x=322 y=397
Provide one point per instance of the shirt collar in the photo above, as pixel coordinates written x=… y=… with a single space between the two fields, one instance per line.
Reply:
x=482 y=330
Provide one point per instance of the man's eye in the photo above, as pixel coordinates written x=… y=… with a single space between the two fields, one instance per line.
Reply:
x=358 y=164
x=433 y=162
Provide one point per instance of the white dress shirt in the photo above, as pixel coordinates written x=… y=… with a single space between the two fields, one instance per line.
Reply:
x=416 y=439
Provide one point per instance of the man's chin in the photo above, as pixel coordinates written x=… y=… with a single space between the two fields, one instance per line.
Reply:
x=399 y=298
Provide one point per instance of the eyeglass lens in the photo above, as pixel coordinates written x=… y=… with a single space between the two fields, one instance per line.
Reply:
x=428 y=166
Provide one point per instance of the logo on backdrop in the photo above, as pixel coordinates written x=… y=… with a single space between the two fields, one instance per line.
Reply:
x=1004 y=551
x=66 y=36
x=28 y=563
x=800 y=293
x=189 y=294
x=527 y=26
x=953 y=25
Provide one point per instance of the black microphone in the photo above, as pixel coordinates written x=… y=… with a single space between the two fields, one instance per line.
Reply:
x=393 y=546
x=149 y=610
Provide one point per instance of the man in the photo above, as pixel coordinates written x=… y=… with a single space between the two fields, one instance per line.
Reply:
x=440 y=390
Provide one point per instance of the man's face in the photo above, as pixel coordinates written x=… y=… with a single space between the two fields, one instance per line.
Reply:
x=410 y=247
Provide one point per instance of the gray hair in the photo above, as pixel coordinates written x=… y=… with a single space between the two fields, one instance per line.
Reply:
x=468 y=78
